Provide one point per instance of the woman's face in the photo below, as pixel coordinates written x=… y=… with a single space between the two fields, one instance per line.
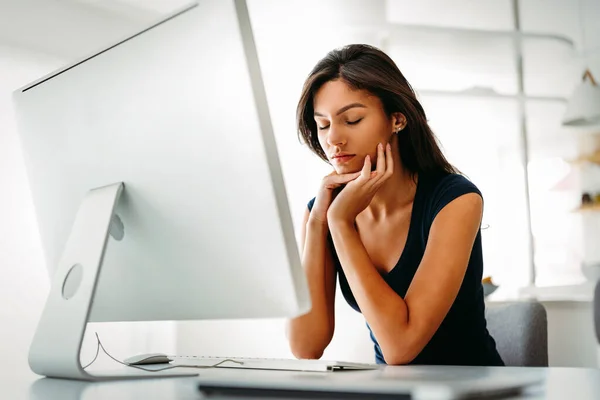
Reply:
x=351 y=123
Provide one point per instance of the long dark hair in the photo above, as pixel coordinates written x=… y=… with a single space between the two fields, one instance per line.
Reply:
x=365 y=67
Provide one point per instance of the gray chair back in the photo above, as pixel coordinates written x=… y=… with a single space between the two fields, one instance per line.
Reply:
x=520 y=330
x=597 y=310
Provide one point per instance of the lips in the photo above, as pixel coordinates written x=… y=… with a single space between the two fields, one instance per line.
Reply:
x=342 y=158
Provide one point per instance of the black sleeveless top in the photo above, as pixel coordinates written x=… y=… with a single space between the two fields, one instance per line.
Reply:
x=462 y=338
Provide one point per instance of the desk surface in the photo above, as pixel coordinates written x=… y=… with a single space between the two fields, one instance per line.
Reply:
x=559 y=383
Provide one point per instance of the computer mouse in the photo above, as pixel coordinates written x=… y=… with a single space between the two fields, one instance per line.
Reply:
x=151 y=358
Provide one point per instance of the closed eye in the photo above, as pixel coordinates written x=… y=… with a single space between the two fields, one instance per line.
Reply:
x=321 y=128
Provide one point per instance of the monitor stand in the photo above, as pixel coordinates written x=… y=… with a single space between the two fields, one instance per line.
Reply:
x=56 y=345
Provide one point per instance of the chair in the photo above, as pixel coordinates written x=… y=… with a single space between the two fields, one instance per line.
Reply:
x=597 y=310
x=520 y=330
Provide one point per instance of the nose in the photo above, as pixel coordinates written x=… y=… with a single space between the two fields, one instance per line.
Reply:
x=335 y=136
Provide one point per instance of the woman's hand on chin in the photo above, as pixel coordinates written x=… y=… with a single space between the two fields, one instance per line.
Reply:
x=358 y=193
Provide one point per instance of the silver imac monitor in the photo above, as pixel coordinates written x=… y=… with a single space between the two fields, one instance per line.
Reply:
x=157 y=185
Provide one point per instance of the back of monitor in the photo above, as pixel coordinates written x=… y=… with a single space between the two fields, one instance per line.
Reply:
x=171 y=130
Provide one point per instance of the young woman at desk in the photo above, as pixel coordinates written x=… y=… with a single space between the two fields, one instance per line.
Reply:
x=395 y=221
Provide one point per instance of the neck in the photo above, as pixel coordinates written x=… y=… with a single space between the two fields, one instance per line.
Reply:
x=394 y=195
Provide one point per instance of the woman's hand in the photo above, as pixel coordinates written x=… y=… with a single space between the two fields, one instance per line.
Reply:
x=327 y=192
x=357 y=194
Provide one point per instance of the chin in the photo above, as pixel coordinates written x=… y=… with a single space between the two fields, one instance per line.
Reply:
x=346 y=169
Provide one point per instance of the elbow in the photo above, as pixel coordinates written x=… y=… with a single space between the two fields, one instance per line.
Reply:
x=400 y=355
x=310 y=347
x=309 y=340
x=398 y=359
x=404 y=351
x=307 y=353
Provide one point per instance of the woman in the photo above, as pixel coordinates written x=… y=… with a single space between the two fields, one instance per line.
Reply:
x=394 y=220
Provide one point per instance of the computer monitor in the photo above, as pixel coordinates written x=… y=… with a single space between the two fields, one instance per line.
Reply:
x=155 y=159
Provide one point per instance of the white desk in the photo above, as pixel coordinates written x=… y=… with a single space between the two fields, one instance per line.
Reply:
x=560 y=384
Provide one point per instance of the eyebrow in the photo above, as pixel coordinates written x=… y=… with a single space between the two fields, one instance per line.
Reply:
x=343 y=109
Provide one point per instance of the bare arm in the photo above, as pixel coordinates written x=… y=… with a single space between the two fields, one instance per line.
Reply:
x=404 y=326
x=311 y=333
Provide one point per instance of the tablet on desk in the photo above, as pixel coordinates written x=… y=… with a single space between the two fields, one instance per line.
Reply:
x=410 y=382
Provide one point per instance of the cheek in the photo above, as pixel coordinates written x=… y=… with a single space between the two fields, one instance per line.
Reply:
x=322 y=142
x=371 y=136
x=384 y=137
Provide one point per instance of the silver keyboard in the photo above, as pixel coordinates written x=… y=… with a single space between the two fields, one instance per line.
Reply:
x=282 y=364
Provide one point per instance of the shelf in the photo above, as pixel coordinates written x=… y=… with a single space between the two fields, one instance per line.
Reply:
x=583 y=292
x=393 y=30
x=479 y=92
x=593 y=158
x=402 y=29
x=587 y=208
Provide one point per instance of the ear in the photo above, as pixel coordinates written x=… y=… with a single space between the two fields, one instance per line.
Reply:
x=398 y=121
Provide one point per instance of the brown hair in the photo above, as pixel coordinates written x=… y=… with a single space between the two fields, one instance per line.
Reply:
x=367 y=68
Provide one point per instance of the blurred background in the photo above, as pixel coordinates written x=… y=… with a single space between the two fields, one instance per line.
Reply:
x=495 y=77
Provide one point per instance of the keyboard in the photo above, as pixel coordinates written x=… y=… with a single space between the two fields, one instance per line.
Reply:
x=283 y=364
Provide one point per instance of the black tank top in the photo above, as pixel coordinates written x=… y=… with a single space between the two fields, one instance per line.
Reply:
x=462 y=338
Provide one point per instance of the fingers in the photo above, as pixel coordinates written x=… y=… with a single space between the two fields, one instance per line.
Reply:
x=381 y=160
x=384 y=169
x=333 y=181
x=389 y=161
x=345 y=178
x=385 y=166
x=365 y=173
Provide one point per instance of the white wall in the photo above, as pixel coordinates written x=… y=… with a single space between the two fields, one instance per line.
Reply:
x=24 y=280
x=68 y=29
x=570 y=347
